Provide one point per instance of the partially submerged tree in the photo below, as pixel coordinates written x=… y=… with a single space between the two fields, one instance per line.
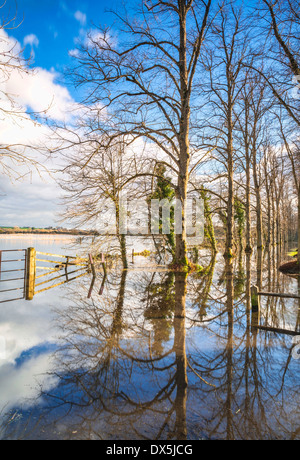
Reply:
x=240 y=219
x=224 y=62
x=94 y=188
x=144 y=79
x=292 y=149
x=164 y=191
x=283 y=21
x=209 y=231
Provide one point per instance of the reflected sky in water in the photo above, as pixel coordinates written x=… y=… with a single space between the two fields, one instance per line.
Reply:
x=157 y=355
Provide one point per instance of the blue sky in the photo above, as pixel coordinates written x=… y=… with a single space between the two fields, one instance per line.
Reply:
x=47 y=30
x=53 y=26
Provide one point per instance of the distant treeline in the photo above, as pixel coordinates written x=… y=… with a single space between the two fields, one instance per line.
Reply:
x=56 y=231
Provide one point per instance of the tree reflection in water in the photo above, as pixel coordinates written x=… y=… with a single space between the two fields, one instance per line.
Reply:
x=170 y=356
x=117 y=371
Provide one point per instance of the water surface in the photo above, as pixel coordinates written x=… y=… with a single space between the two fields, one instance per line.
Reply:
x=156 y=355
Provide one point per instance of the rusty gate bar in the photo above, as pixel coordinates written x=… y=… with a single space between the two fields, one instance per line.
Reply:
x=56 y=255
x=58 y=277
x=63 y=282
x=78 y=264
x=50 y=272
x=11 y=290
x=13 y=271
x=16 y=270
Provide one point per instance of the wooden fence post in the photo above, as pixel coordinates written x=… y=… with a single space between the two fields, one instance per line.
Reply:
x=92 y=265
x=103 y=264
x=30 y=273
x=255 y=300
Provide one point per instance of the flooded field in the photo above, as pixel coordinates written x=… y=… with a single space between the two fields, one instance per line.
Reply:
x=151 y=354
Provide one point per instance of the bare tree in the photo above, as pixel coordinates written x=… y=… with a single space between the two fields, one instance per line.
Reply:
x=144 y=79
x=244 y=126
x=94 y=179
x=292 y=149
x=12 y=155
x=283 y=21
x=227 y=78
x=280 y=21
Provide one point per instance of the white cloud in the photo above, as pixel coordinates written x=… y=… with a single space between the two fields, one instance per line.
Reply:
x=39 y=92
x=33 y=200
x=27 y=333
x=80 y=17
x=19 y=384
x=74 y=53
x=35 y=90
x=88 y=38
x=31 y=40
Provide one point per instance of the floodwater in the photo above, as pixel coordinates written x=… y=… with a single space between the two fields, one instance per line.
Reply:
x=152 y=354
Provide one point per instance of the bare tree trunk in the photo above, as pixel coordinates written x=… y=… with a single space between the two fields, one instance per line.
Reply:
x=248 y=248
x=122 y=240
x=180 y=356
x=228 y=352
x=259 y=268
x=273 y=221
x=299 y=224
x=268 y=240
x=230 y=204
x=117 y=326
x=278 y=229
x=259 y=225
x=181 y=246
x=260 y=243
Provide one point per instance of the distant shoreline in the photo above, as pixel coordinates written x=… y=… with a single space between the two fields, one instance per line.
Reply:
x=21 y=232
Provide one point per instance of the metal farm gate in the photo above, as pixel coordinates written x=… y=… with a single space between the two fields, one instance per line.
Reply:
x=51 y=277
x=13 y=266
x=21 y=277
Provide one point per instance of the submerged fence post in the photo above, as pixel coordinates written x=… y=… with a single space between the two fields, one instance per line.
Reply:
x=66 y=268
x=255 y=314
x=92 y=265
x=103 y=264
x=255 y=300
x=30 y=273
